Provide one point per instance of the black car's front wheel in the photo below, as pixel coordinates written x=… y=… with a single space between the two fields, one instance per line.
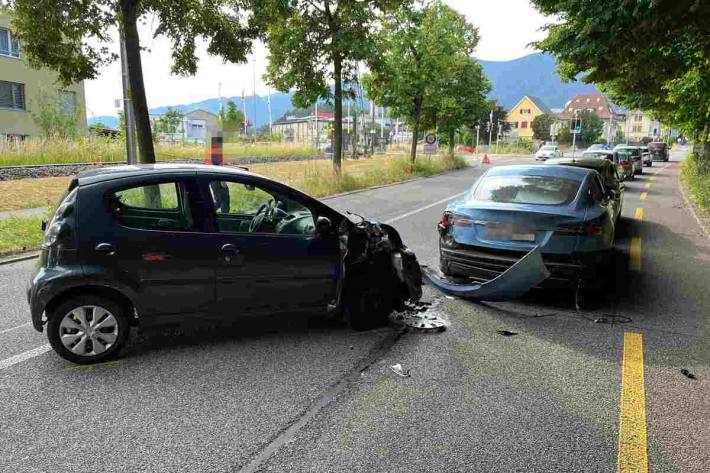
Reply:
x=88 y=329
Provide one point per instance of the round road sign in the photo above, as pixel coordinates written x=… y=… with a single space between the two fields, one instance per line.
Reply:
x=430 y=138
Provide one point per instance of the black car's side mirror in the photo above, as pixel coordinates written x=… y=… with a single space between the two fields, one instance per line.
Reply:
x=323 y=225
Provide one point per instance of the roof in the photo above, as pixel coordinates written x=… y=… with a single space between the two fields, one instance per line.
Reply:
x=540 y=104
x=589 y=163
x=567 y=172
x=107 y=173
x=595 y=101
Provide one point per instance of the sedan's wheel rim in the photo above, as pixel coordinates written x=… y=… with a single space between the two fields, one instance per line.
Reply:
x=88 y=330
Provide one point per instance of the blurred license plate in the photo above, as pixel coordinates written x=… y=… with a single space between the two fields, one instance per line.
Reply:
x=508 y=232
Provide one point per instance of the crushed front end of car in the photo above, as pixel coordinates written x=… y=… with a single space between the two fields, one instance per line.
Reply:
x=379 y=273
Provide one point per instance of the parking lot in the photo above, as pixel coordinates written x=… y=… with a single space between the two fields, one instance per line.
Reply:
x=529 y=385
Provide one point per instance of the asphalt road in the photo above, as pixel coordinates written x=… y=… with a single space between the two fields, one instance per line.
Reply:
x=293 y=394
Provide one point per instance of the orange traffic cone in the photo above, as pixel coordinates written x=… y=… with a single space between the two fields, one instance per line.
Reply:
x=485 y=159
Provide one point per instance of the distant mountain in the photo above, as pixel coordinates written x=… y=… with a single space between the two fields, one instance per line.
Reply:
x=529 y=75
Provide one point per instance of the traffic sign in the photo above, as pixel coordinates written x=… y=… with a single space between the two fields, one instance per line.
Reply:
x=431 y=143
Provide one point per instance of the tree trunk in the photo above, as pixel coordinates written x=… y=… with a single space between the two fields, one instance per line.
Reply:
x=354 y=136
x=415 y=127
x=452 y=136
x=338 y=145
x=135 y=77
x=703 y=158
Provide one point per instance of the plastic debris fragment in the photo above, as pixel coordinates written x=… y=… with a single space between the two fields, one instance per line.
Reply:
x=398 y=370
x=685 y=372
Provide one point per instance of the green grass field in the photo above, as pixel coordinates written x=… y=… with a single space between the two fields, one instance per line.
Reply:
x=697 y=183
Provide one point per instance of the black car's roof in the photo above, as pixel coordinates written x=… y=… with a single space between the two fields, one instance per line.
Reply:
x=590 y=163
x=107 y=173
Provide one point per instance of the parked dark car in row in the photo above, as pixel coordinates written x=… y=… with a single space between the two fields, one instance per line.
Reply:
x=621 y=161
x=659 y=151
x=566 y=211
x=149 y=244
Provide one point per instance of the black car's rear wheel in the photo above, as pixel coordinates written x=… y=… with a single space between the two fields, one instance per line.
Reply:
x=87 y=329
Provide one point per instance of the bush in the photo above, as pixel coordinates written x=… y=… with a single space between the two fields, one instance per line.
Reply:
x=696 y=181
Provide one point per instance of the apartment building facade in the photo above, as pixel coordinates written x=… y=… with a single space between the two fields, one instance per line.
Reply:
x=21 y=87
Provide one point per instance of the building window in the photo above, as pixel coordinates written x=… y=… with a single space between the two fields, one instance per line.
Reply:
x=638 y=117
x=636 y=129
x=67 y=102
x=9 y=46
x=514 y=124
x=523 y=124
x=12 y=95
x=525 y=111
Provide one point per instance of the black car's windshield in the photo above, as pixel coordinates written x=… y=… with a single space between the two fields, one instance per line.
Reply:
x=538 y=190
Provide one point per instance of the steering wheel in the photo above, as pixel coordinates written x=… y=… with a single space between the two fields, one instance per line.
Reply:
x=264 y=213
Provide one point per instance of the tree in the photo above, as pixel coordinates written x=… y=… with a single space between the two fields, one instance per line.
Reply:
x=314 y=42
x=646 y=55
x=170 y=121
x=462 y=98
x=541 y=127
x=592 y=127
x=232 y=119
x=73 y=39
x=420 y=50
x=499 y=124
x=54 y=115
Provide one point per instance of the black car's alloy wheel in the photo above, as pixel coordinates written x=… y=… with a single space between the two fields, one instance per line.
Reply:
x=88 y=329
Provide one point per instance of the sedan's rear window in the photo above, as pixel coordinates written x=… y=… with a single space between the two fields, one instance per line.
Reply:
x=538 y=190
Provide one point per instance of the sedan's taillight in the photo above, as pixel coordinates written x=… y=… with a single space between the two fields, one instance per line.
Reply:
x=447 y=220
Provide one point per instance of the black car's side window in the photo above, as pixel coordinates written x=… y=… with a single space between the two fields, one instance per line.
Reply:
x=245 y=208
x=596 y=191
x=151 y=207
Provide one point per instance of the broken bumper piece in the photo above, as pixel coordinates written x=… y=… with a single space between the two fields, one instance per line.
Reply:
x=525 y=274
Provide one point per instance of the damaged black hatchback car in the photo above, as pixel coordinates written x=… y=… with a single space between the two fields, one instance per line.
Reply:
x=148 y=244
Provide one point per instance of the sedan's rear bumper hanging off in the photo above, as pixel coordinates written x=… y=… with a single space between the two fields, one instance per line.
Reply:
x=522 y=276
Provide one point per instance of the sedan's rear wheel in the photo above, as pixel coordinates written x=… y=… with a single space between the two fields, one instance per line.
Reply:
x=88 y=329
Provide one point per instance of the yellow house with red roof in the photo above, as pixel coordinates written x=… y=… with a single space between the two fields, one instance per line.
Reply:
x=522 y=115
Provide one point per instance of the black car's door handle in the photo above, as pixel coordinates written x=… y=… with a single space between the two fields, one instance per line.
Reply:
x=105 y=248
x=229 y=249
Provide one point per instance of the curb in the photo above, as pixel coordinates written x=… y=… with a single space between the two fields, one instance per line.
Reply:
x=18 y=258
x=691 y=206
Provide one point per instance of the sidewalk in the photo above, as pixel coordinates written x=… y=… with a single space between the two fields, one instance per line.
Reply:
x=38 y=211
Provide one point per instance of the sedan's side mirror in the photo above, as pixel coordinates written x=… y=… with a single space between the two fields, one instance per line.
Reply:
x=323 y=225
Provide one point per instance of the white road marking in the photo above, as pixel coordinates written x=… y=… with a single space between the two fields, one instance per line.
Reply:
x=14 y=328
x=426 y=207
x=13 y=360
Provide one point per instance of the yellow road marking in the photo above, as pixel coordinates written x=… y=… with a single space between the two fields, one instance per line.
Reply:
x=633 y=446
x=644 y=195
x=635 y=254
x=647 y=185
x=639 y=213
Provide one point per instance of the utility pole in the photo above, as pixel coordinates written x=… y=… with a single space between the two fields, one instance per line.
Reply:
x=254 y=98
x=244 y=107
x=268 y=104
x=490 y=130
x=497 y=136
x=574 y=135
x=317 y=137
x=128 y=117
x=478 y=132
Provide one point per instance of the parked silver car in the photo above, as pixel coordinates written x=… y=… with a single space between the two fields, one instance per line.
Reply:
x=548 y=152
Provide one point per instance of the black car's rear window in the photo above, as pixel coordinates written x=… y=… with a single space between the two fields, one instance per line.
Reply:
x=537 y=190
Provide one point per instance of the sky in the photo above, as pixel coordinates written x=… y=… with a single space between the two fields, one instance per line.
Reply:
x=506 y=28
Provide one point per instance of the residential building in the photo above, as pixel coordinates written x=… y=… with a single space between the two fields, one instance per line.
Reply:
x=21 y=86
x=612 y=116
x=641 y=125
x=522 y=115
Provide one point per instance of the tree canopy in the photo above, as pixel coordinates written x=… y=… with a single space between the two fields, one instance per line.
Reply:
x=76 y=39
x=541 y=127
x=648 y=55
x=232 y=118
x=424 y=69
x=313 y=43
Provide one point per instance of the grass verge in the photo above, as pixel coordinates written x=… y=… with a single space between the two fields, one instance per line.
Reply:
x=316 y=178
x=20 y=234
x=698 y=184
x=107 y=150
